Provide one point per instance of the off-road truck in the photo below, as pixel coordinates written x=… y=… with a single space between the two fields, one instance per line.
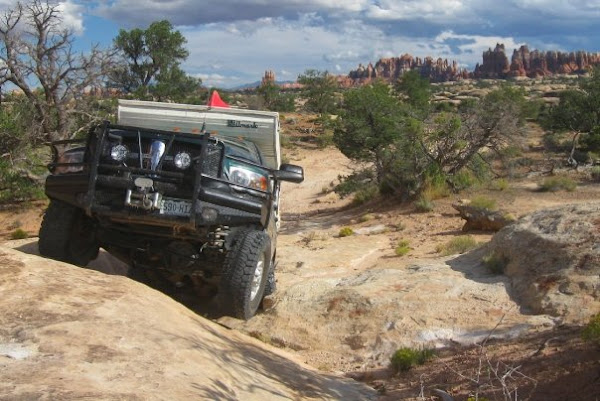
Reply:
x=187 y=192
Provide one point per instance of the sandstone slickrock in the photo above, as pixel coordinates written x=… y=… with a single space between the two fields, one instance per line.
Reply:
x=71 y=333
x=553 y=260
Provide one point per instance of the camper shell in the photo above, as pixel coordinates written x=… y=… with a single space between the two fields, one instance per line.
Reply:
x=189 y=193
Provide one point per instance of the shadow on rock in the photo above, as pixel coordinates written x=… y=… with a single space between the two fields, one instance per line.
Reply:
x=204 y=305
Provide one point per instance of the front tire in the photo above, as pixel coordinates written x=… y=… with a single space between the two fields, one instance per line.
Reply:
x=245 y=271
x=67 y=234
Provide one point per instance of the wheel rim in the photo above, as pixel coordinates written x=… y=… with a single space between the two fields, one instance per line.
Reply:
x=257 y=279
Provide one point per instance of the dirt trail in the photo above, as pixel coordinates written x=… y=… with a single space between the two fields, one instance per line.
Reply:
x=347 y=303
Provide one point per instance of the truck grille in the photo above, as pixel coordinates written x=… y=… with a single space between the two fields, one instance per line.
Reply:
x=139 y=152
x=137 y=157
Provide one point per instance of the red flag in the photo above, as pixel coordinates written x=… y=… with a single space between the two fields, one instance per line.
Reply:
x=216 y=101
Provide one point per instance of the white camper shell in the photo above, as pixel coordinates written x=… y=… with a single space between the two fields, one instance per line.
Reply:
x=259 y=127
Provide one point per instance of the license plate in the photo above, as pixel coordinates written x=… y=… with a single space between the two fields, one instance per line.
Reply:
x=175 y=207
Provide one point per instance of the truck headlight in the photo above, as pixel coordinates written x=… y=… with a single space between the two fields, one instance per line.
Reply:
x=119 y=152
x=182 y=160
x=245 y=177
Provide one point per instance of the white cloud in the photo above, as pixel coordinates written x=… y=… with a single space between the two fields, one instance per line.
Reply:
x=471 y=47
x=415 y=9
x=291 y=47
x=72 y=15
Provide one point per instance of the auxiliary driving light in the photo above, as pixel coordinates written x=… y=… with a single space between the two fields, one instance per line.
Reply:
x=119 y=152
x=182 y=160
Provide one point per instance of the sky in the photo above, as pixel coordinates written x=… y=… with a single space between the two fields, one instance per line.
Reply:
x=233 y=42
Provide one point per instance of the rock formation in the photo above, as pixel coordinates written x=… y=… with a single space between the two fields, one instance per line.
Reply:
x=553 y=260
x=268 y=78
x=390 y=69
x=482 y=219
x=533 y=64
x=495 y=65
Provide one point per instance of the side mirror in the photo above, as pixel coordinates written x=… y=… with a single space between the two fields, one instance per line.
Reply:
x=290 y=172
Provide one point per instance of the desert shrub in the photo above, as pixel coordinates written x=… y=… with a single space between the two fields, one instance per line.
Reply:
x=495 y=263
x=501 y=184
x=366 y=194
x=463 y=179
x=405 y=358
x=313 y=236
x=460 y=244
x=19 y=234
x=595 y=173
x=436 y=186
x=325 y=139
x=366 y=217
x=557 y=142
x=403 y=248
x=483 y=202
x=591 y=331
x=353 y=182
x=346 y=232
x=558 y=183
x=16 y=185
x=424 y=205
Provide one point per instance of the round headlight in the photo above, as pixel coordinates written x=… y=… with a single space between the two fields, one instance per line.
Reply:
x=182 y=160
x=119 y=152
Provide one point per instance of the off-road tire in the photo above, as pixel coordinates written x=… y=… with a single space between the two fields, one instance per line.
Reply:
x=250 y=251
x=67 y=234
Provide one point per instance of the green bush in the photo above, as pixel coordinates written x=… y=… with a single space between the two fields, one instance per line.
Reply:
x=495 y=263
x=483 y=203
x=16 y=186
x=365 y=194
x=557 y=142
x=346 y=232
x=591 y=331
x=19 y=234
x=558 y=183
x=403 y=248
x=595 y=173
x=366 y=217
x=405 y=358
x=501 y=184
x=463 y=179
x=460 y=244
x=423 y=205
x=354 y=182
x=325 y=139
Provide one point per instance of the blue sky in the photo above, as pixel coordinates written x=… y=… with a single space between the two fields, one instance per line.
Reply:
x=232 y=42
